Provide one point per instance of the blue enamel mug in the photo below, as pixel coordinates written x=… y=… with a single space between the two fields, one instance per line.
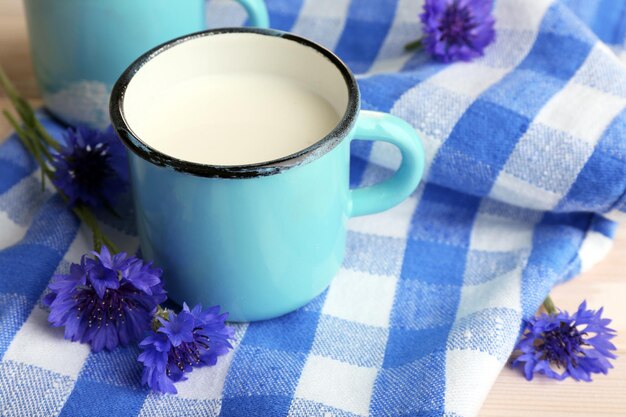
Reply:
x=80 y=47
x=258 y=239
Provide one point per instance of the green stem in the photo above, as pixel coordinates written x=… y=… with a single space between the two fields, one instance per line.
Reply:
x=413 y=46
x=99 y=238
x=41 y=131
x=20 y=134
x=7 y=86
x=40 y=146
x=22 y=107
x=87 y=217
x=548 y=304
x=109 y=244
x=25 y=111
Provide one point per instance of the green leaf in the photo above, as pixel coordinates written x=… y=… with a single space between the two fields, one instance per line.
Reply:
x=414 y=46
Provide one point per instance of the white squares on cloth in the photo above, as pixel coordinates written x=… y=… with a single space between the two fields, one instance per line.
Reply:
x=509 y=48
x=503 y=291
x=337 y=384
x=494 y=233
x=11 y=231
x=392 y=223
x=206 y=383
x=548 y=158
x=431 y=109
x=31 y=391
x=322 y=21
x=469 y=376
x=520 y=14
x=37 y=343
x=602 y=70
x=18 y=205
x=350 y=342
x=361 y=297
x=512 y=190
x=434 y=110
x=566 y=112
x=468 y=79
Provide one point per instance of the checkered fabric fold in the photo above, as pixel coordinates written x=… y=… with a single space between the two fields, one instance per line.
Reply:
x=526 y=152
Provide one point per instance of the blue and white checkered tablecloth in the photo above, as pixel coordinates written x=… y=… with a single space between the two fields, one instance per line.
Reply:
x=526 y=166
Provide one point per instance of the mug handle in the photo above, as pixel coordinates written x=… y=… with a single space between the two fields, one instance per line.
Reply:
x=391 y=192
x=257 y=12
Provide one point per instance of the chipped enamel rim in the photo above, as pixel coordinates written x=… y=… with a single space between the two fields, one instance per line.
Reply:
x=276 y=166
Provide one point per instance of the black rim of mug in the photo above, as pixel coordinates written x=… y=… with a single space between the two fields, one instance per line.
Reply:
x=304 y=156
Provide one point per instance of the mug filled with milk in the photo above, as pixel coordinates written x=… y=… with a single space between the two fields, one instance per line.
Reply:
x=239 y=147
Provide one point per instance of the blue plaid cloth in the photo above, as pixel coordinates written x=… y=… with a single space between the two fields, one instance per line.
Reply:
x=526 y=177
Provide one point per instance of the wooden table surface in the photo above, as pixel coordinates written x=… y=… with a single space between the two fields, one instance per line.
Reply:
x=512 y=395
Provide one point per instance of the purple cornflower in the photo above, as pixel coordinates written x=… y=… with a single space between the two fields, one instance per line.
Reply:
x=179 y=342
x=457 y=29
x=91 y=167
x=560 y=345
x=106 y=300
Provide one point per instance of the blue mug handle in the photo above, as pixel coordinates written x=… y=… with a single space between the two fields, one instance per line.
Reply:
x=391 y=192
x=257 y=12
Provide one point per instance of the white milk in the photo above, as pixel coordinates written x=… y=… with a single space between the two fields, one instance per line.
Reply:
x=235 y=119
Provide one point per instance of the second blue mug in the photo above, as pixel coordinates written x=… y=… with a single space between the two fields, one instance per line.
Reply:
x=80 y=47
